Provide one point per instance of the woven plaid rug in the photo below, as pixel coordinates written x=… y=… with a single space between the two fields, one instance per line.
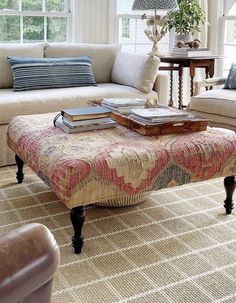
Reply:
x=178 y=246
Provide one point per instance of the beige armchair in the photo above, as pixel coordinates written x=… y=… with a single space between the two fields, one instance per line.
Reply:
x=216 y=104
x=29 y=257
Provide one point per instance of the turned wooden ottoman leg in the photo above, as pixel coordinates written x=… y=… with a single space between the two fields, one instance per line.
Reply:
x=230 y=185
x=77 y=216
x=19 y=174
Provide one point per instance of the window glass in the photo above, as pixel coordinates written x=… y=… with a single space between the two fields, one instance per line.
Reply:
x=32 y=5
x=124 y=7
x=9 y=4
x=129 y=28
x=56 y=5
x=33 y=29
x=232 y=11
x=125 y=28
x=56 y=29
x=9 y=28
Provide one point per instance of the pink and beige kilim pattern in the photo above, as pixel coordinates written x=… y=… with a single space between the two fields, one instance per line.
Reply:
x=101 y=165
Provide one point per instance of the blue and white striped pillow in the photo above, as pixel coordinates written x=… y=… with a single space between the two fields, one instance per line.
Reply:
x=41 y=73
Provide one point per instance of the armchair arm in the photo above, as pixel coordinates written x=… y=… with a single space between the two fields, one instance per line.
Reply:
x=208 y=83
x=161 y=86
x=29 y=256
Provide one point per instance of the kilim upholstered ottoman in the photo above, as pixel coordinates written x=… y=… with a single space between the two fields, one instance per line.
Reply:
x=117 y=166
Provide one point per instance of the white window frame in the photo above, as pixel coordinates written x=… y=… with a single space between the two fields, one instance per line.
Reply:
x=43 y=13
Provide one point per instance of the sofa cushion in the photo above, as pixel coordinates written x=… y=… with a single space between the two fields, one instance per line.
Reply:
x=40 y=73
x=20 y=50
x=218 y=120
x=57 y=99
x=231 y=79
x=219 y=101
x=103 y=56
x=139 y=71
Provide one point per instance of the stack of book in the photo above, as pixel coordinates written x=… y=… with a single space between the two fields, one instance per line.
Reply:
x=84 y=119
x=190 y=52
x=123 y=106
x=155 y=116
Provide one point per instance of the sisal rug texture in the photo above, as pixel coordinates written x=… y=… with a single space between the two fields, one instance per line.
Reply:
x=178 y=246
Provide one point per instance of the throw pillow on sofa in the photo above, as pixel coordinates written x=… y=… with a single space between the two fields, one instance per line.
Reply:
x=231 y=79
x=138 y=71
x=42 y=73
x=16 y=50
x=102 y=56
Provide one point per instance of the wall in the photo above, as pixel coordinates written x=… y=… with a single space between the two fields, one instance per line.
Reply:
x=93 y=21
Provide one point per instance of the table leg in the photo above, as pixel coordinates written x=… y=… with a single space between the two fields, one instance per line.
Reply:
x=207 y=75
x=77 y=216
x=191 y=86
x=171 y=102
x=19 y=174
x=230 y=185
x=180 y=87
x=211 y=71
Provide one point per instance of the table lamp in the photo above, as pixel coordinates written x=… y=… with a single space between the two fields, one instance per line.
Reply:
x=157 y=25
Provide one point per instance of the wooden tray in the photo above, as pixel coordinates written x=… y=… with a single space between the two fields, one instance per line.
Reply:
x=195 y=124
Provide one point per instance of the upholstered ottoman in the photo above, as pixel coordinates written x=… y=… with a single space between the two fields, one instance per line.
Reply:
x=117 y=165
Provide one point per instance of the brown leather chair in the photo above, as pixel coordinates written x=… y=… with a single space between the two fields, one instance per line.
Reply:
x=29 y=257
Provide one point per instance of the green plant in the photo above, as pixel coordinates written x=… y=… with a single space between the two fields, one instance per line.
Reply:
x=188 y=18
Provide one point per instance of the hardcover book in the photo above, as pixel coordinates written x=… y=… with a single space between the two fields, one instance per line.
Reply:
x=73 y=124
x=123 y=105
x=59 y=123
x=158 y=114
x=123 y=109
x=84 y=113
x=124 y=102
x=191 y=52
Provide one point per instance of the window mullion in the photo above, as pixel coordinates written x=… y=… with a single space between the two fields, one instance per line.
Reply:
x=68 y=7
x=45 y=28
x=21 y=23
x=21 y=29
x=135 y=35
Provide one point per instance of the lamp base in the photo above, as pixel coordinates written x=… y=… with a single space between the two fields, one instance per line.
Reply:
x=156 y=53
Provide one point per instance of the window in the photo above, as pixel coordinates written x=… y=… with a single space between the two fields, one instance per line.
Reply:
x=229 y=46
x=34 y=20
x=131 y=30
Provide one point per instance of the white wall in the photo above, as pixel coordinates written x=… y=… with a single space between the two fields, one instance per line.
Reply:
x=92 y=21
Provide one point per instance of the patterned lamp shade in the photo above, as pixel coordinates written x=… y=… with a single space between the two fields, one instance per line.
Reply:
x=155 y=5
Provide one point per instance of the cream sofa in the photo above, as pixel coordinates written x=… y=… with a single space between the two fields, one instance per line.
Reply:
x=217 y=105
x=117 y=75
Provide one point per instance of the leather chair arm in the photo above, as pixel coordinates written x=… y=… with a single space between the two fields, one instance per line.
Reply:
x=29 y=256
x=208 y=83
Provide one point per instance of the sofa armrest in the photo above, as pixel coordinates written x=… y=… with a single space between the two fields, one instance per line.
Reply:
x=162 y=87
x=210 y=82
x=29 y=256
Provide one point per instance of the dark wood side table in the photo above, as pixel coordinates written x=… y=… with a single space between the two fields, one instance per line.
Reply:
x=178 y=63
